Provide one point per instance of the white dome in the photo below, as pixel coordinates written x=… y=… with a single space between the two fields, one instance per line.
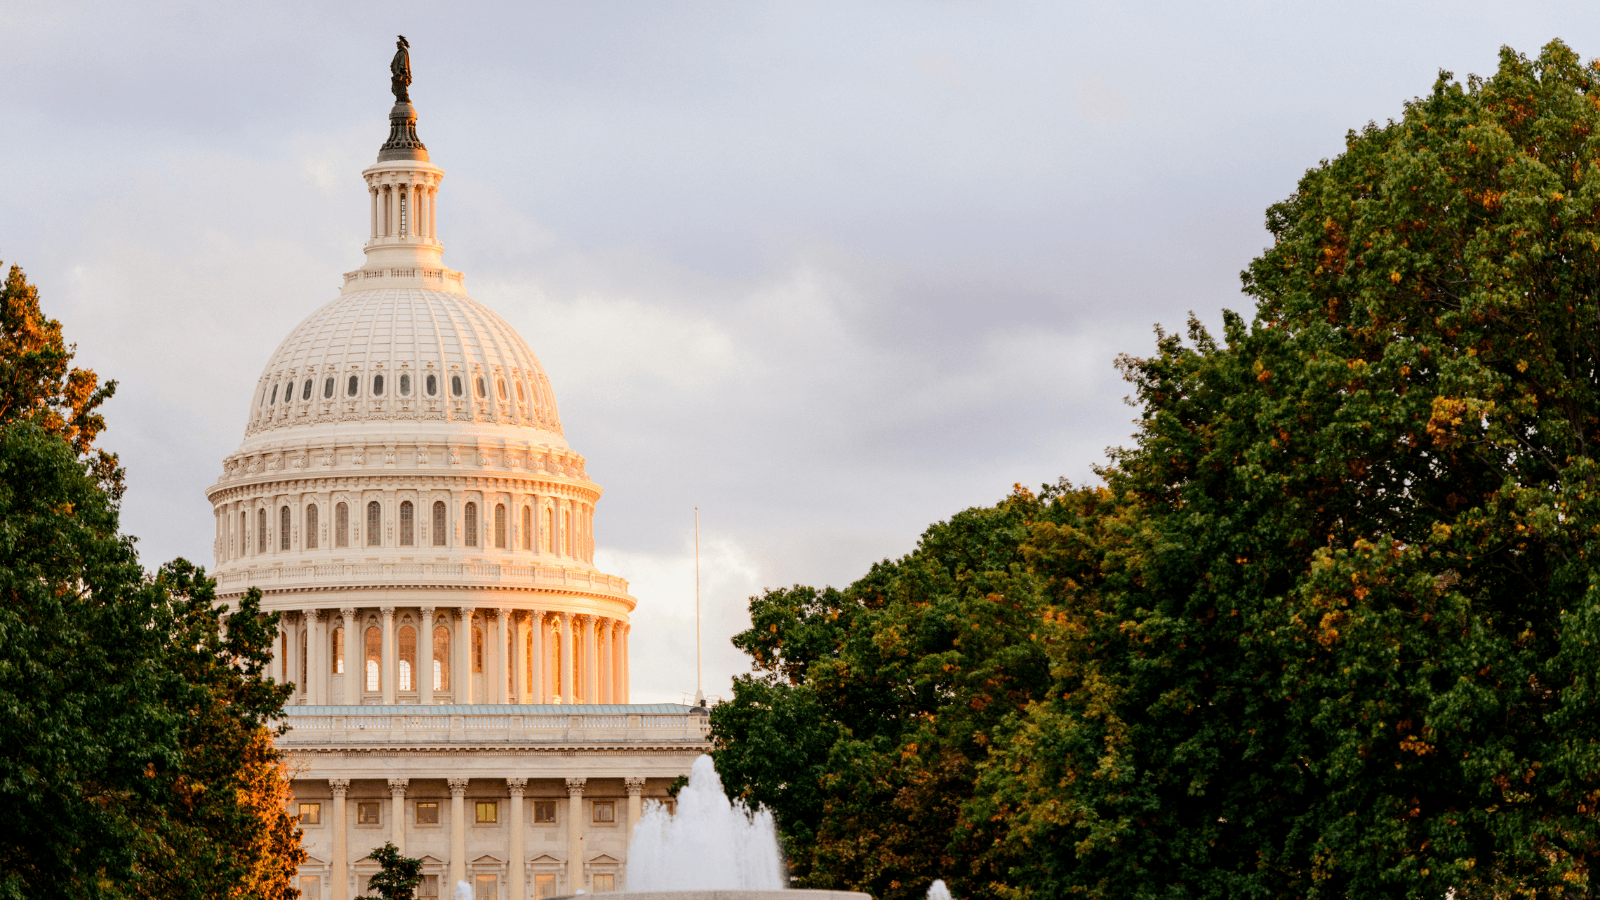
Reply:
x=402 y=358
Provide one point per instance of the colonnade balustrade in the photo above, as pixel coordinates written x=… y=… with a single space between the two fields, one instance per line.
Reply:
x=461 y=655
x=400 y=815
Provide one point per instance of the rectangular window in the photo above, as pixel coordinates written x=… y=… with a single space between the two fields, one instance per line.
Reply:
x=367 y=813
x=341 y=525
x=408 y=525
x=310 y=887
x=469 y=527
x=311 y=814
x=488 y=812
x=486 y=885
x=427 y=813
x=605 y=811
x=374 y=524
x=311 y=527
x=438 y=523
x=544 y=886
x=283 y=528
x=604 y=883
x=428 y=888
x=544 y=812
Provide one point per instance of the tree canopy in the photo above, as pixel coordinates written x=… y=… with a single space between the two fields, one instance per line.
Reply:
x=135 y=760
x=1329 y=626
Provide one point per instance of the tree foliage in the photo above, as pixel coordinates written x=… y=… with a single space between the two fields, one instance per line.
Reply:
x=398 y=875
x=136 y=761
x=1330 y=628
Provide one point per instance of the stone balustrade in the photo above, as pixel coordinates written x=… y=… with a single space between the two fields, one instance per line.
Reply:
x=484 y=725
x=400 y=574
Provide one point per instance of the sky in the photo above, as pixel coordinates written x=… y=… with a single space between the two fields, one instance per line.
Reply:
x=828 y=271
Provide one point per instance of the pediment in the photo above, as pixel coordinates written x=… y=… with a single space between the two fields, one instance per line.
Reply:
x=486 y=859
x=431 y=860
x=314 y=861
x=545 y=858
x=602 y=858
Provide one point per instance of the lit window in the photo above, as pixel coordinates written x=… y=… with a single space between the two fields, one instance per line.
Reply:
x=455 y=385
x=374 y=644
x=408 y=656
x=500 y=526
x=488 y=811
x=374 y=523
x=432 y=384
x=605 y=811
x=405 y=385
x=427 y=813
x=438 y=523
x=408 y=524
x=338 y=651
x=441 y=658
x=353 y=386
x=544 y=886
x=327 y=388
x=283 y=528
x=470 y=525
x=305 y=392
x=367 y=813
x=544 y=812
x=477 y=650
x=604 y=882
x=311 y=527
x=341 y=525
x=311 y=814
x=377 y=385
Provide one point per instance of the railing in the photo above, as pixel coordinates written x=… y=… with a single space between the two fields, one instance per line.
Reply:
x=357 y=728
x=440 y=574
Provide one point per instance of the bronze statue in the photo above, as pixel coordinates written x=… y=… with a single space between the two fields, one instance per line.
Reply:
x=400 y=71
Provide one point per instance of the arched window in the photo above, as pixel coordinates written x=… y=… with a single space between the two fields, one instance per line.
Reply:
x=455 y=385
x=481 y=392
x=477 y=650
x=470 y=524
x=311 y=526
x=341 y=525
x=527 y=528
x=374 y=659
x=327 y=388
x=441 y=658
x=405 y=384
x=354 y=386
x=305 y=392
x=408 y=656
x=244 y=545
x=283 y=528
x=374 y=523
x=549 y=526
x=432 y=384
x=438 y=523
x=338 y=650
x=261 y=531
x=377 y=385
x=408 y=525
x=500 y=526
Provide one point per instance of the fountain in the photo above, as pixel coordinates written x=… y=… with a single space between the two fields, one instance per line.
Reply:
x=711 y=849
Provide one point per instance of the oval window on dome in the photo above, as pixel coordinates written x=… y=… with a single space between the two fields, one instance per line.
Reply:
x=500 y=388
x=288 y=391
x=432 y=384
x=305 y=392
x=482 y=392
x=327 y=388
x=353 y=386
x=377 y=385
x=274 y=396
x=455 y=385
x=519 y=393
x=405 y=385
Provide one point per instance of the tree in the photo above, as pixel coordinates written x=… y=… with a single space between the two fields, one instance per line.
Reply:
x=1346 y=644
x=398 y=875
x=135 y=759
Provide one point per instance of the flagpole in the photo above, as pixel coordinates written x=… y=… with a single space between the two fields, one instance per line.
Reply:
x=699 y=694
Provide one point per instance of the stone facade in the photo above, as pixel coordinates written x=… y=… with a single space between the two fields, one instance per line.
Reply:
x=406 y=499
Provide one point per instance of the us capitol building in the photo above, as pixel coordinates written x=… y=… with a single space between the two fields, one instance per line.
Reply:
x=405 y=498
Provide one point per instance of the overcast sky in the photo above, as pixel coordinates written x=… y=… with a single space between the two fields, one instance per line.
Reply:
x=829 y=271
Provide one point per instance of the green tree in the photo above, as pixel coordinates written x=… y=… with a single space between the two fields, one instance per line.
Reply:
x=135 y=759
x=398 y=875
x=1344 y=641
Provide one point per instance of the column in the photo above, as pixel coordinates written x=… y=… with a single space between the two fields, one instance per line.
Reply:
x=458 y=835
x=433 y=230
x=386 y=656
x=619 y=687
x=425 y=658
x=461 y=671
x=591 y=660
x=627 y=669
x=374 y=192
x=536 y=678
x=519 y=857
x=353 y=664
x=339 y=873
x=565 y=688
x=519 y=659
x=494 y=656
x=575 y=834
x=635 y=786
x=605 y=661
x=314 y=678
x=397 y=813
x=278 y=668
